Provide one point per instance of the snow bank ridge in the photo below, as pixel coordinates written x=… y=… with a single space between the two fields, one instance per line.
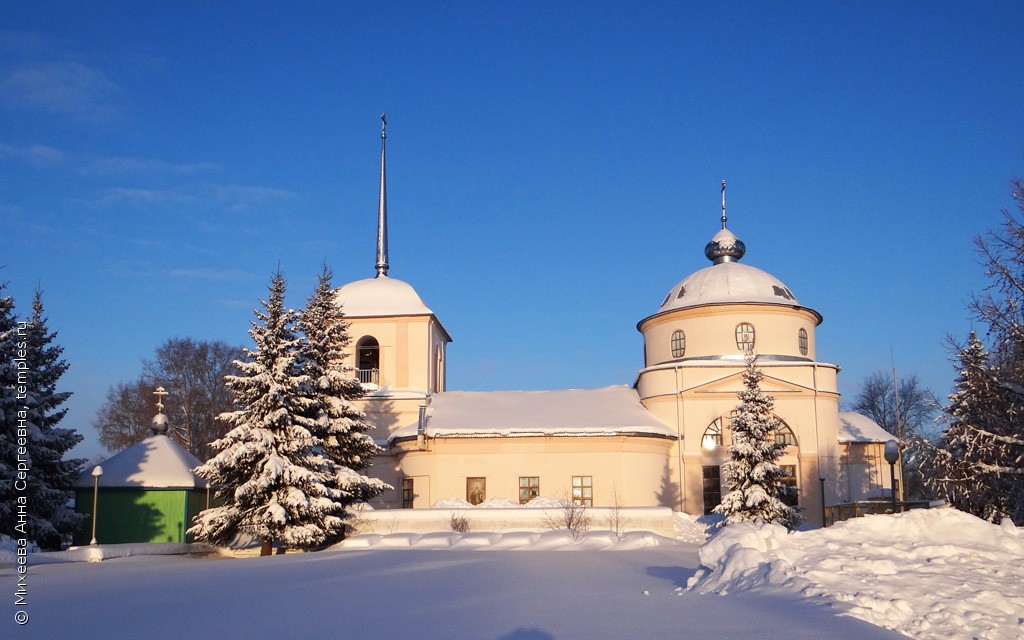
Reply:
x=929 y=574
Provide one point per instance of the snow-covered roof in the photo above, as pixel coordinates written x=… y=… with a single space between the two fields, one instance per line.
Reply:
x=574 y=412
x=380 y=296
x=854 y=427
x=156 y=462
x=728 y=282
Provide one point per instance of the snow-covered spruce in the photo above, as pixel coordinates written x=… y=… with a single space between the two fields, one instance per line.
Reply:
x=9 y=406
x=331 y=385
x=33 y=404
x=276 y=481
x=978 y=463
x=52 y=478
x=752 y=473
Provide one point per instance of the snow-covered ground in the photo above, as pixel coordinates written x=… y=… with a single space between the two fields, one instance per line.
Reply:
x=935 y=574
x=928 y=574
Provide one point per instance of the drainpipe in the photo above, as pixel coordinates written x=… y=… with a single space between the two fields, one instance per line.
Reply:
x=679 y=441
x=817 y=441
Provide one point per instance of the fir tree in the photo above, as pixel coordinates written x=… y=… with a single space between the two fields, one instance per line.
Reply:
x=9 y=406
x=332 y=386
x=752 y=472
x=51 y=480
x=978 y=463
x=271 y=469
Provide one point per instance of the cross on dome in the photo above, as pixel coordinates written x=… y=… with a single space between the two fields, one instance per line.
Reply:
x=160 y=421
x=724 y=246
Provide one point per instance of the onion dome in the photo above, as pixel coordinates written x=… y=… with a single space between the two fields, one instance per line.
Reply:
x=161 y=424
x=724 y=247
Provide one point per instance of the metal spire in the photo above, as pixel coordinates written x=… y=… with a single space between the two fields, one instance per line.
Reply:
x=723 y=204
x=382 y=207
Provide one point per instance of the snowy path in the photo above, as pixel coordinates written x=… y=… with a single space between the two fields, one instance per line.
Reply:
x=413 y=593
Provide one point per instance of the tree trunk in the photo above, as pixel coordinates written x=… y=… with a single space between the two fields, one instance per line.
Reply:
x=267 y=548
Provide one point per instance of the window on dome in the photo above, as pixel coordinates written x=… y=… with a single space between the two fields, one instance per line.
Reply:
x=678 y=344
x=667 y=298
x=368 y=360
x=802 y=341
x=745 y=337
x=783 y=292
x=682 y=292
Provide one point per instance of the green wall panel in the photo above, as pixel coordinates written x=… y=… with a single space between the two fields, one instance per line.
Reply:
x=134 y=515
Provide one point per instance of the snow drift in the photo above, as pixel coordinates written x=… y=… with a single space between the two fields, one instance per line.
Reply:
x=927 y=573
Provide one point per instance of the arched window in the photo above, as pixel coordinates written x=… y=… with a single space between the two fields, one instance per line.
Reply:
x=713 y=435
x=745 y=337
x=801 y=338
x=713 y=439
x=784 y=435
x=439 y=369
x=678 y=344
x=368 y=360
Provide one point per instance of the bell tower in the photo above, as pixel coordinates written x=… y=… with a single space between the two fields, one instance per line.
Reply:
x=398 y=345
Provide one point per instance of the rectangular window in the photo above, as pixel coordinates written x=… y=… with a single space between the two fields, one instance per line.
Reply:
x=790 y=496
x=712 y=488
x=583 y=491
x=408 y=494
x=529 y=488
x=476 y=490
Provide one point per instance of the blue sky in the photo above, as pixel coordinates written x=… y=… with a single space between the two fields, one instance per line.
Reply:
x=553 y=170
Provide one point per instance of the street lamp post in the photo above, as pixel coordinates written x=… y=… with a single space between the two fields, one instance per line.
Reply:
x=892 y=455
x=97 y=471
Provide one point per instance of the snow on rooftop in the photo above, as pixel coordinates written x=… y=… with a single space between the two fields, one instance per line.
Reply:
x=854 y=427
x=728 y=282
x=157 y=461
x=380 y=296
x=582 y=412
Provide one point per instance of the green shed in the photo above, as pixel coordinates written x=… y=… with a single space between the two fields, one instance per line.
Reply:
x=146 y=493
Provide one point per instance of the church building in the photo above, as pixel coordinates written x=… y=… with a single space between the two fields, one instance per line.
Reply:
x=659 y=441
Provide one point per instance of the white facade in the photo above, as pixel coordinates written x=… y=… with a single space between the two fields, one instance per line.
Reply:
x=660 y=442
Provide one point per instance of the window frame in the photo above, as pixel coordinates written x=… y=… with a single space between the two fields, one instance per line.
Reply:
x=530 y=490
x=715 y=433
x=408 y=493
x=785 y=435
x=743 y=330
x=803 y=342
x=584 y=497
x=368 y=353
x=711 y=487
x=677 y=343
x=790 y=484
